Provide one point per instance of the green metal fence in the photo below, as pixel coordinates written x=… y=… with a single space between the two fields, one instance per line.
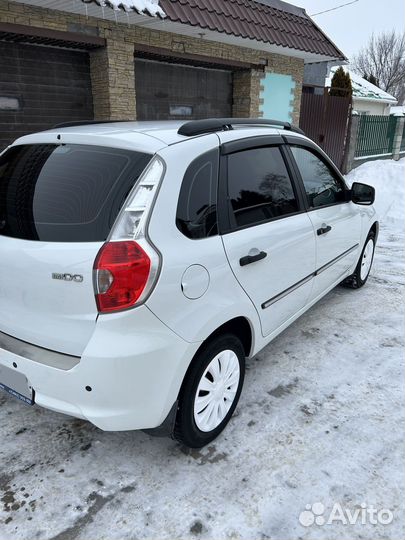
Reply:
x=376 y=135
x=402 y=148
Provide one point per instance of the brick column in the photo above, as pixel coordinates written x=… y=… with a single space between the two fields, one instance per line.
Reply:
x=112 y=72
x=246 y=94
x=297 y=102
x=399 y=129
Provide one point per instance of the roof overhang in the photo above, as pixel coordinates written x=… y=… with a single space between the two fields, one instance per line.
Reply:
x=209 y=35
x=19 y=33
x=92 y=9
x=375 y=100
x=149 y=52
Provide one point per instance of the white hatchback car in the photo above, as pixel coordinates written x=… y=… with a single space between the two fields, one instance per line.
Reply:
x=141 y=263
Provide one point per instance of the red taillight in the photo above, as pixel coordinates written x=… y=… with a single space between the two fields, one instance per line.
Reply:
x=121 y=273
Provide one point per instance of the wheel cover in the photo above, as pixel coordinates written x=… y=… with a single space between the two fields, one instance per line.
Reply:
x=367 y=259
x=216 y=390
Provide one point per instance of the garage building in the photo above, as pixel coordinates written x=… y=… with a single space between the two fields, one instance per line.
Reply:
x=169 y=60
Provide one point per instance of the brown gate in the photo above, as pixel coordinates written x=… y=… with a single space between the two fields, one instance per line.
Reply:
x=325 y=119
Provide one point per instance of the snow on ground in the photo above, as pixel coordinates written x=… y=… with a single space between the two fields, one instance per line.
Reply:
x=321 y=419
x=383 y=174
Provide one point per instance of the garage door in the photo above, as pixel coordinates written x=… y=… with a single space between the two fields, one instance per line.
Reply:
x=40 y=87
x=167 y=91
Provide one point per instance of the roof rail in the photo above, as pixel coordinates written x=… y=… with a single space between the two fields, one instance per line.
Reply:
x=86 y=123
x=211 y=125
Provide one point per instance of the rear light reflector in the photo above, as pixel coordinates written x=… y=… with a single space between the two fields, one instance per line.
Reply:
x=132 y=220
x=122 y=271
x=127 y=266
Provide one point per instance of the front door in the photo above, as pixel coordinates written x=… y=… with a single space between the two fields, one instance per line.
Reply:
x=270 y=244
x=336 y=220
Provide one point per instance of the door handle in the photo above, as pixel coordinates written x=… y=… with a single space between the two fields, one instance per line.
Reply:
x=253 y=256
x=324 y=229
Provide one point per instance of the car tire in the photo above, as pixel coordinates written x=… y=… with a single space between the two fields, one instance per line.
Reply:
x=210 y=391
x=360 y=275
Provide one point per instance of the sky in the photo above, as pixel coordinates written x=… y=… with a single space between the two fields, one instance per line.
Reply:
x=351 y=26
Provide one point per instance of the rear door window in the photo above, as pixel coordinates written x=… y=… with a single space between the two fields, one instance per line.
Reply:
x=259 y=187
x=65 y=193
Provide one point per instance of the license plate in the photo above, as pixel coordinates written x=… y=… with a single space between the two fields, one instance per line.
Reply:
x=16 y=384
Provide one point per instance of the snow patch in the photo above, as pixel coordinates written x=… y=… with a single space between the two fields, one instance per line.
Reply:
x=388 y=179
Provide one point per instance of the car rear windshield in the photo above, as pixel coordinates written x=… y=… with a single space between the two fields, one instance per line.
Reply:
x=65 y=192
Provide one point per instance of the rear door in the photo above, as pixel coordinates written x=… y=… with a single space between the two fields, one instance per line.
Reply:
x=335 y=219
x=57 y=205
x=268 y=236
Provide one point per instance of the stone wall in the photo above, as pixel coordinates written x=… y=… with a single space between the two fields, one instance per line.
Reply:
x=112 y=71
x=112 y=68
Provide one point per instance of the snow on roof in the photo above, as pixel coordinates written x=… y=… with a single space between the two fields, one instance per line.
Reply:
x=399 y=109
x=151 y=7
x=363 y=89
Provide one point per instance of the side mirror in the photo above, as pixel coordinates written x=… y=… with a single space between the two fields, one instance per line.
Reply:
x=362 y=194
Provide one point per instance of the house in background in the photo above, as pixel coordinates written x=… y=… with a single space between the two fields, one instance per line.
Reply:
x=75 y=60
x=367 y=98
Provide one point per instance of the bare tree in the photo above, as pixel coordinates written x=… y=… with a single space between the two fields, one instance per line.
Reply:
x=384 y=58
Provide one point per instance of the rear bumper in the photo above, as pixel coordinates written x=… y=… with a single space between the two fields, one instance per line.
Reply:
x=132 y=367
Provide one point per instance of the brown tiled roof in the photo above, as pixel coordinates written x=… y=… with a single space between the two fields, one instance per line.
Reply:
x=269 y=21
